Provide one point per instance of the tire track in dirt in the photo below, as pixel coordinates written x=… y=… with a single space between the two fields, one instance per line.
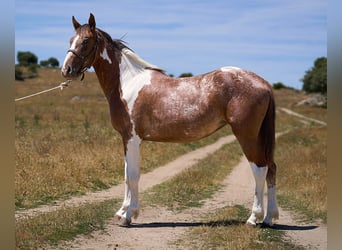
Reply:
x=303 y=117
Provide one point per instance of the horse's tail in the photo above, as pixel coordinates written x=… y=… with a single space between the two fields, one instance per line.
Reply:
x=267 y=131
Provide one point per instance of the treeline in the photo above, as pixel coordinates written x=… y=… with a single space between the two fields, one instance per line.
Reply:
x=28 y=64
x=314 y=80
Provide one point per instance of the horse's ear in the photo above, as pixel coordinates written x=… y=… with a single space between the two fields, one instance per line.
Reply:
x=92 y=22
x=75 y=23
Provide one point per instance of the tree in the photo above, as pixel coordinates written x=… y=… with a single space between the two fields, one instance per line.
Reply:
x=27 y=65
x=26 y=58
x=279 y=85
x=186 y=75
x=44 y=63
x=18 y=74
x=315 y=79
x=53 y=62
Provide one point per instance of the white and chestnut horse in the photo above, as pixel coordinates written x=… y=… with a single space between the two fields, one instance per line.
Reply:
x=146 y=104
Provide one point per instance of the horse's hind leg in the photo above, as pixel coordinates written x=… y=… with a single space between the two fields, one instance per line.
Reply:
x=258 y=203
x=254 y=129
x=254 y=153
x=272 y=208
x=260 y=174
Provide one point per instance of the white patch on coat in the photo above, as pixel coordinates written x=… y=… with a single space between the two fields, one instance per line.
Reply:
x=258 y=82
x=133 y=77
x=234 y=70
x=72 y=47
x=259 y=174
x=229 y=69
x=105 y=56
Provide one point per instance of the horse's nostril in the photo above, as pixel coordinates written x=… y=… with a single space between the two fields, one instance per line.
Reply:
x=69 y=70
x=66 y=70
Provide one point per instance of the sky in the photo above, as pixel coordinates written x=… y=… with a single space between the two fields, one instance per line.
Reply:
x=278 y=40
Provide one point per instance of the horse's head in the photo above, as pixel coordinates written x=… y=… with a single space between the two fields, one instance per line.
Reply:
x=83 y=49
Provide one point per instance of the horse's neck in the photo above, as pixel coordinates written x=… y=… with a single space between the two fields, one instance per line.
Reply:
x=108 y=71
x=108 y=75
x=109 y=78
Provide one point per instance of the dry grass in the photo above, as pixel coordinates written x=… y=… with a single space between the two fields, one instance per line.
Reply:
x=301 y=156
x=302 y=169
x=288 y=98
x=65 y=224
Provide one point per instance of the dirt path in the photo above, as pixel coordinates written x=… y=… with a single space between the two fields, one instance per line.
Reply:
x=303 y=117
x=157 y=227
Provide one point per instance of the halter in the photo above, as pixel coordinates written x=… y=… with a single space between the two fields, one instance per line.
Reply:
x=86 y=57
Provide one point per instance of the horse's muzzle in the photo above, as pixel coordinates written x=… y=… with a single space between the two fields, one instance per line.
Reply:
x=66 y=71
x=69 y=72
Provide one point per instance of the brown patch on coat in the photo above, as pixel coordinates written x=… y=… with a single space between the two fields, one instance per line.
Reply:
x=178 y=109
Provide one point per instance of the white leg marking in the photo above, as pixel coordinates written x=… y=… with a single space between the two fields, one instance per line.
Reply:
x=258 y=204
x=130 y=205
x=272 y=208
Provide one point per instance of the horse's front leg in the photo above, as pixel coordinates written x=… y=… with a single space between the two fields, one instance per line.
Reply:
x=130 y=205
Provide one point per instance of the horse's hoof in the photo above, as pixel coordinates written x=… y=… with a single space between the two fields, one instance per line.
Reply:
x=124 y=222
x=251 y=223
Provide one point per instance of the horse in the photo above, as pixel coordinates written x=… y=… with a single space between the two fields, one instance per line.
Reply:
x=145 y=104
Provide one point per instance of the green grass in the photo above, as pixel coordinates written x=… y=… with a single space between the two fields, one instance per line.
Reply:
x=65 y=224
x=191 y=186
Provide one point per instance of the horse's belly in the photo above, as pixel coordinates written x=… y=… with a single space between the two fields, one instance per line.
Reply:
x=179 y=130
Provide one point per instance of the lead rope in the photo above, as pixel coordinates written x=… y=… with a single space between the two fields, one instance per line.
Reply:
x=60 y=86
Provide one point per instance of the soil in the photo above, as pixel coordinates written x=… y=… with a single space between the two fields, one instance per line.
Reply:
x=159 y=228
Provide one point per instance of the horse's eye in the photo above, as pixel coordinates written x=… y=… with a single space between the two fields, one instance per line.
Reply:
x=85 y=42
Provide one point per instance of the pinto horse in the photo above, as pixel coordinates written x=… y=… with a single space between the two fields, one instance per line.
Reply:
x=146 y=104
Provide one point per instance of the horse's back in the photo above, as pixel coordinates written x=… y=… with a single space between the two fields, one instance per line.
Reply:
x=243 y=81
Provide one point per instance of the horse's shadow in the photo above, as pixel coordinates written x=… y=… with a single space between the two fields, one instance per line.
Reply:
x=293 y=227
x=223 y=223
x=187 y=224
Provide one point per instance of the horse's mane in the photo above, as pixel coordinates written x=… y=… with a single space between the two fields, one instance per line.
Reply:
x=121 y=46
